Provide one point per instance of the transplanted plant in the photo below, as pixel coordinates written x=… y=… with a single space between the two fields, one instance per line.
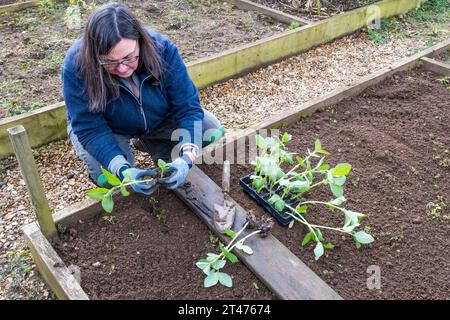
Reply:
x=105 y=194
x=305 y=173
x=163 y=166
x=212 y=265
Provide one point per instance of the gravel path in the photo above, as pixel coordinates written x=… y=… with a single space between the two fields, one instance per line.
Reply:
x=238 y=103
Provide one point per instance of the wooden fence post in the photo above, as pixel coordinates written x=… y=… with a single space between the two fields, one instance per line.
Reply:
x=24 y=155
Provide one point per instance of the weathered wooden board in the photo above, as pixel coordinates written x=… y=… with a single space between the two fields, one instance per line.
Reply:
x=51 y=267
x=30 y=174
x=274 y=264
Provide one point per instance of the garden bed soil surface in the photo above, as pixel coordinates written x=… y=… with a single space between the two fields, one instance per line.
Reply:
x=34 y=42
x=149 y=252
x=395 y=135
x=328 y=7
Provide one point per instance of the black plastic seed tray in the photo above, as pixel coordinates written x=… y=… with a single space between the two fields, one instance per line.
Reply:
x=262 y=199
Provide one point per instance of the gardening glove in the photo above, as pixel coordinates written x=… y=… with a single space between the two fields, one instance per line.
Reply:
x=146 y=188
x=215 y=135
x=178 y=171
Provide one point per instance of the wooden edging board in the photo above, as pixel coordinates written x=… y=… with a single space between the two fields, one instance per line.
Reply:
x=436 y=66
x=49 y=123
x=200 y=201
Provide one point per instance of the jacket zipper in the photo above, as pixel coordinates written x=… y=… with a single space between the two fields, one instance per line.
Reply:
x=139 y=101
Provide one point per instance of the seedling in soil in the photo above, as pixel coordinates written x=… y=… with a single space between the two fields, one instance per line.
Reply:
x=105 y=195
x=212 y=265
x=436 y=210
x=283 y=188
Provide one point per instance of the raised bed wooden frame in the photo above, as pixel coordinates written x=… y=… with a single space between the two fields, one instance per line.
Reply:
x=272 y=262
x=49 y=123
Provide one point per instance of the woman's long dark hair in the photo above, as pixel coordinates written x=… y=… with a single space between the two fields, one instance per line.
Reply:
x=106 y=27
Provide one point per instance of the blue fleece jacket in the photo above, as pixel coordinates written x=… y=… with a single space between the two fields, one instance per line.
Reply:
x=175 y=95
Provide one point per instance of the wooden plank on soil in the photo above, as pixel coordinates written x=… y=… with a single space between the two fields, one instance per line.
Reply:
x=30 y=174
x=436 y=66
x=58 y=277
x=275 y=14
x=276 y=266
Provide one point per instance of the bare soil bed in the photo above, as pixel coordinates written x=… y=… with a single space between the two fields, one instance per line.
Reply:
x=149 y=252
x=328 y=7
x=34 y=42
x=395 y=135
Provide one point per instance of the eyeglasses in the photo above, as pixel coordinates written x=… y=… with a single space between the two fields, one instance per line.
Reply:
x=112 y=65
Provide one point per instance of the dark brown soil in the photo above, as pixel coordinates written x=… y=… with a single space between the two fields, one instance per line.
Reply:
x=149 y=252
x=396 y=136
x=328 y=7
x=33 y=42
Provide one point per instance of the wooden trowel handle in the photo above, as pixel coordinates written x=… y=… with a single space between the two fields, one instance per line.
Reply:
x=226 y=176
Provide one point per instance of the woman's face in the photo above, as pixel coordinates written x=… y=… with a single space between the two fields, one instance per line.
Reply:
x=122 y=60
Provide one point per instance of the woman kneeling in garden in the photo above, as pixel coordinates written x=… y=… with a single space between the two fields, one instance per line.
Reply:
x=121 y=83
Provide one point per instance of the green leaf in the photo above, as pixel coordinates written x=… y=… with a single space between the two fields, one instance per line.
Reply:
x=202 y=263
x=161 y=164
x=328 y=246
x=286 y=137
x=280 y=205
x=97 y=193
x=324 y=167
x=299 y=186
x=225 y=279
x=317 y=145
x=322 y=151
x=274 y=198
x=258 y=183
x=307 y=238
x=318 y=250
x=112 y=179
x=108 y=204
x=319 y=235
x=124 y=191
x=247 y=249
x=299 y=160
x=288 y=158
x=211 y=279
x=302 y=209
x=337 y=191
x=230 y=256
x=338 y=201
x=260 y=142
x=211 y=256
x=340 y=181
x=363 y=237
x=342 y=169
x=230 y=233
x=219 y=264
x=358 y=244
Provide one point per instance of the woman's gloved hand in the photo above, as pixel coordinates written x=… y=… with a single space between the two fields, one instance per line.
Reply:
x=178 y=171
x=136 y=174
